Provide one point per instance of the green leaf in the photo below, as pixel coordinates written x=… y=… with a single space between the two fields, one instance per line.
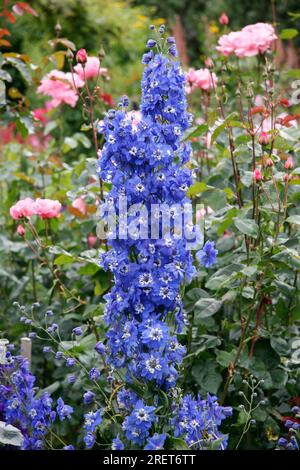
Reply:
x=49 y=127
x=25 y=125
x=196 y=132
x=217 y=444
x=4 y=75
x=206 y=307
x=176 y=443
x=63 y=259
x=224 y=358
x=192 y=296
x=289 y=257
x=89 y=270
x=69 y=144
x=206 y=376
x=9 y=435
x=288 y=33
x=2 y=93
x=196 y=189
x=247 y=227
x=223 y=276
x=229 y=121
x=22 y=68
x=279 y=345
x=279 y=378
x=293 y=219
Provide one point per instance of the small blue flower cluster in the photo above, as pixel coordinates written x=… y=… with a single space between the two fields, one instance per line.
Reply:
x=145 y=163
x=198 y=420
x=20 y=407
x=292 y=441
x=138 y=423
x=91 y=421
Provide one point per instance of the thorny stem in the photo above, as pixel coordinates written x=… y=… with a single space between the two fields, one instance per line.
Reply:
x=90 y=110
x=231 y=145
x=237 y=356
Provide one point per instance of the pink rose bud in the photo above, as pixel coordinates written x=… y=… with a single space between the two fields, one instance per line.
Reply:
x=91 y=240
x=209 y=63
x=81 y=56
x=223 y=20
x=289 y=164
x=257 y=176
x=21 y=230
x=270 y=162
x=286 y=177
x=80 y=205
x=263 y=138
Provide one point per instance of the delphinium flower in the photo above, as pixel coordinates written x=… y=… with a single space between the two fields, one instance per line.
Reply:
x=207 y=256
x=64 y=411
x=146 y=163
x=91 y=421
x=20 y=406
x=156 y=442
x=292 y=440
x=137 y=424
x=197 y=421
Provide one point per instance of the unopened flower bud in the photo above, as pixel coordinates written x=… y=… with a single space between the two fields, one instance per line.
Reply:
x=270 y=162
x=58 y=28
x=223 y=20
x=81 y=56
x=69 y=54
x=289 y=164
x=151 y=43
x=209 y=63
x=263 y=138
x=21 y=230
x=257 y=176
x=101 y=53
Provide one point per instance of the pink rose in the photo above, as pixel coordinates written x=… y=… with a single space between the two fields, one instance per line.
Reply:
x=201 y=78
x=23 y=208
x=81 y=56
x=61 y=87
x=251 y=40
x=47 y=208
x=91 y=69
